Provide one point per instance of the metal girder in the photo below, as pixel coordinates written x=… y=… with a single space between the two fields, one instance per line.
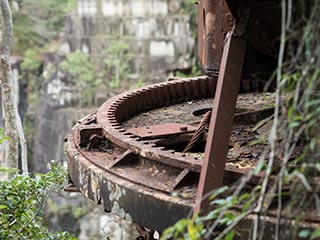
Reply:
x=212 y=172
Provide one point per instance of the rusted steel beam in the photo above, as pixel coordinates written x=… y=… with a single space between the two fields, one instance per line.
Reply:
x=212 y=172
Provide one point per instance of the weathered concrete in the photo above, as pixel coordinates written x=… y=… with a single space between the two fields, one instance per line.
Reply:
x=73 y=213
x=99 y=225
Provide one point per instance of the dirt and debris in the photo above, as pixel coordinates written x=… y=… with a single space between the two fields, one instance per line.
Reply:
x=247 y=140
x=99 y=144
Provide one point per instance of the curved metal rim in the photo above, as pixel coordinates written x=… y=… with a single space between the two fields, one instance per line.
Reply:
x=122 y=197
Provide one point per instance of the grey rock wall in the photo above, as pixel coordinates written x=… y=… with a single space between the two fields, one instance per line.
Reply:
x=83 y=218
x=52 y=125
x=157 y=31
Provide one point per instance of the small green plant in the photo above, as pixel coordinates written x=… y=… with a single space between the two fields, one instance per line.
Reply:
x=81 y=72
x=31 y=61
x=31 y=67
x=195 y=71
x=117 y=62
x=21 y=201
x=222 y=216
x=3 y=137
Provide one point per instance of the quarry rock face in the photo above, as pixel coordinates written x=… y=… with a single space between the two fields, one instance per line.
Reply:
x=157 y=31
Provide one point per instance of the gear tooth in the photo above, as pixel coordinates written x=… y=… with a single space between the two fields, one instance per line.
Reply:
x=149 y=97
x=203 y=88
x=195 y=86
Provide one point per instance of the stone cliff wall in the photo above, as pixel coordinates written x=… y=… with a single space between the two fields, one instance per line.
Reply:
x=157 y=31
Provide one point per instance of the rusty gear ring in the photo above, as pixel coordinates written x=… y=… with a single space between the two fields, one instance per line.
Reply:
x=116 y=110
x=98 y=175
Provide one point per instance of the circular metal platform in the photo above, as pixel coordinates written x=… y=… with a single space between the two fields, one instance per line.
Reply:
x=129 y=155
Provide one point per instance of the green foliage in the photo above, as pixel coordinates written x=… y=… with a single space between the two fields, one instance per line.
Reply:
x=31 y=67
x=222 y=214
x=191 y=8
x=58 y=209
x=81 y=71
x=21 y=201
x=38 y=22
x=195 y=71
x=31 y=61
x=3 y=137
x=83 y=74
x=315 y=234
x=78 y=66
x=185 y=229
x=230 y=235
x=117 y=62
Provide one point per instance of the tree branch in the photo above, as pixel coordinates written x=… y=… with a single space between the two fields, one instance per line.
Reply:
x=13 y=125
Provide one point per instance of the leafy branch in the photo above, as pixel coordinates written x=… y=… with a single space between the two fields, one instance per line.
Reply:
x=22 y=200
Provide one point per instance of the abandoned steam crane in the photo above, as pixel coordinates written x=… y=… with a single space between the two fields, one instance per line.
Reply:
x=129 y=155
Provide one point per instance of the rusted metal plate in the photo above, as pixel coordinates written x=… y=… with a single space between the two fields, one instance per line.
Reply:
x=216 y=18
x=88 y=131
x=162 y=130
x=249 y=117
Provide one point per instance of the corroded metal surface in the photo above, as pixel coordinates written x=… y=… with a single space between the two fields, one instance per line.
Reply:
x=112 y=113
x=163 y=130
x=127 y=172
x=151 y=181
x=224 y=105
x=216 y=18
x=124 y=198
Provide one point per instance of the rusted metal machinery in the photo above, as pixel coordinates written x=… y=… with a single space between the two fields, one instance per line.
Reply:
x=134 y=155
x=137 y=168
